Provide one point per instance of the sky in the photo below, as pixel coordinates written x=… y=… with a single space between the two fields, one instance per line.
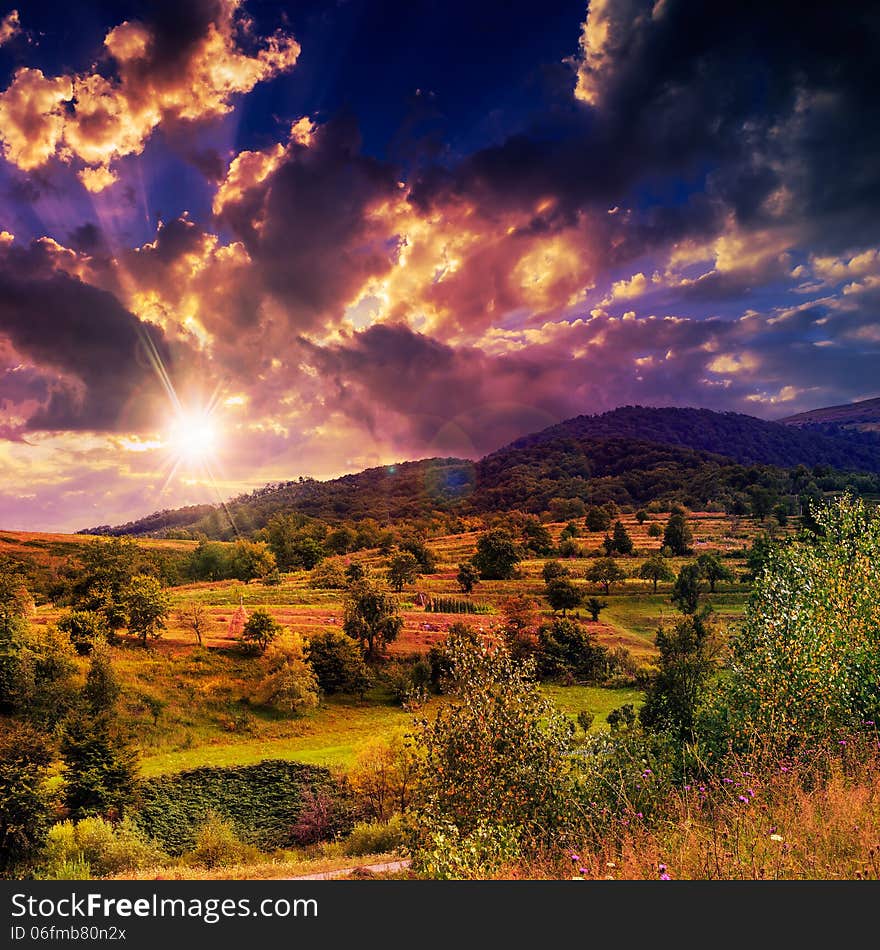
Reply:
x=244 y=242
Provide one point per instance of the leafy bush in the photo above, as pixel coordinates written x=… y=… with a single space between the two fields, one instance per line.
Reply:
x=263 y=802
x=807 y=661
x=338 y=663
x=450 y=855
x=100 y=847
x=375 y=837
x=218 y=845
x=290 y=684
x=85 y=628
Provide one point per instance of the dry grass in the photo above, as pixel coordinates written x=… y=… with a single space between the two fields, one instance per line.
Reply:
x=817 y=820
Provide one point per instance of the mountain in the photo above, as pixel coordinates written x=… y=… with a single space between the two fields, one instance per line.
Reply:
x=744 y=439
x=630 y=455
x=863 y=416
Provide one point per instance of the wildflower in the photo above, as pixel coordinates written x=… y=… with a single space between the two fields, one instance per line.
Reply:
x=727 y=781
x=665 y=877
x=574 y=857
x=775 y=837
x=742 y=798
x=750 y=793
x=661 y=867
x=582 y=870
x=610 y=864
x=841 y=741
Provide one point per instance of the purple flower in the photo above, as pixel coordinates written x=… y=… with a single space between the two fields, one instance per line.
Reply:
x=742 y=798
x=665 y=877
x=727 y=781
x=574 y=857
x=661 y=867
x=582 y=870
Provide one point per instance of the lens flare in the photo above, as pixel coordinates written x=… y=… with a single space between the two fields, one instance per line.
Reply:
x=193 y=437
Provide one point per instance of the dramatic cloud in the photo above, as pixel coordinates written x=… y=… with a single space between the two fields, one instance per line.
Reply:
x=181 y=68
x=689 y=216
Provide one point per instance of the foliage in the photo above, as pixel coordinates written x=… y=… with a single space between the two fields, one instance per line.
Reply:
x=448 y=854
x=25 y=803
x=713 y=570
x=687 y=589
x=375 y=837
x=688 y=654
x=383 y=778
x=217 y=845
x=290 y=685
x=598 y=518
x=585 y=719
x=655 y=569
x=563 y=595
x=624 y=717
x=147 y=607
x=102 y=847
x=403 y=569
x=85 y=628
x=260 y=629
x=605 y=572
x=678 y=536
x=595 y=607
x=194 y=616
x=467 y=577
x=328 y=575
x=497 y=555
x=620 y=542
x=263 y=802
x=566 y=649
x=553 y=570
x=338 y=663
x=251 y=559
x=807 y=660
x=498 y=754
x=371 y=617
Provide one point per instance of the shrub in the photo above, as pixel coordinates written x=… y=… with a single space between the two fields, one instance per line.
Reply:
x=328 y=575
x=807 y=660
x=566 y=649
x=290 y=684
x=375 y=837
x=499 y=754
x=497 y=555
x=585 y=719
x=85 y=628
x=447 y=854
x=218 y=845
x=100 y=846
x=338 y=663
x=383 y=778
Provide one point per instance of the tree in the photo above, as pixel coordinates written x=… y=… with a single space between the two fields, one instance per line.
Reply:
x=565 y=648
x=553 y=570
x=497 y=555
x=595 y=607
x=260 y=629
x=290 y=684
x=84 y=628
x=621 y=542
x=308 y=552
x=371 y=617
x=338 y=663
x=498 y=754
x=678 y=536
x=519 y=625
x=713 y=570
x=571 y=530
x=100 y=764
x=687 y=659
x=383 y=778
x=468 y=577
x=146 y=607
x=563 y=595
x=686 y=590
x=252 y=559
x=654 y=530
x=568 y=547
x=403 y=568
x=758 y=555
x=106 y=570
x=13 y=629
x=641 y=516
x=597 y=519
x=655 y=569
x=605 y=572
x=536 y=538
x=194 y=616
x=25 y=803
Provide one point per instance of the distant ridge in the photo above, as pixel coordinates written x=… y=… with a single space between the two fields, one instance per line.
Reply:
x=863 y=415
x=631 y=455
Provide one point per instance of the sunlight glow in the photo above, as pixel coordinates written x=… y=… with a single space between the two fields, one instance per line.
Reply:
x=193 y=436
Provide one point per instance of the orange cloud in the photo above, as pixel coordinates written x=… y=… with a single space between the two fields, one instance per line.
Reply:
x=94 y=121
x=10 y=26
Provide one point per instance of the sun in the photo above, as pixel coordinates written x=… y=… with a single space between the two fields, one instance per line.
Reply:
x=193 y=437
